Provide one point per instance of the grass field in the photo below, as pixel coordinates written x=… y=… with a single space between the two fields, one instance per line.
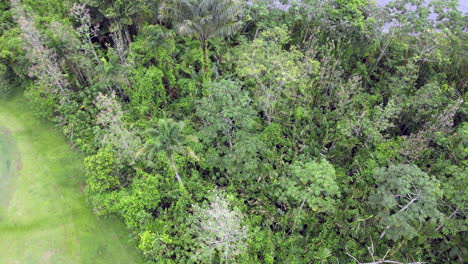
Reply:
x=44 y=216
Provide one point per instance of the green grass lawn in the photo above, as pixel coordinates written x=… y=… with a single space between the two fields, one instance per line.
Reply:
x=44 y=216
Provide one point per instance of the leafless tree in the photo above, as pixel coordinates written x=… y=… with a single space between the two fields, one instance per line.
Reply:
x=377 y=260
x=116 y=134
x=219 y=228
x=45 y=65
x=85 y=29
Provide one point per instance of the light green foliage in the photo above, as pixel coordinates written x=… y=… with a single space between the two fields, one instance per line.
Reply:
x=48 y=217
x=405 y=200
x=350 y=11
x=100 y=171
x=156 y=79
x=274 y=73
x=147 y=93
x=313 y=184
x=219 y=230
x=137 y=201
x=155 y=47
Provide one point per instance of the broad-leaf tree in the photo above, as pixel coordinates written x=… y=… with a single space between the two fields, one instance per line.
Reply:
x=276 y=74
x=226 y=111
x=405 y=200
x=313 y=185
x=229 y=128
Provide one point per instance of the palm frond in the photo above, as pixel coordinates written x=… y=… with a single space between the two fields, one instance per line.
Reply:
x=192 y=154
x=186 y=28
x=205 y=18
x=228 y=29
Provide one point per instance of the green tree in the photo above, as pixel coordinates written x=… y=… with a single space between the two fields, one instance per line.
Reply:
x=169 y=138
x=203 y=18
x=101 y=171
x=405 y=198
x=228 y=127
x=138 y=200
x=313 y=185
x=225 y=111
x=274 y=73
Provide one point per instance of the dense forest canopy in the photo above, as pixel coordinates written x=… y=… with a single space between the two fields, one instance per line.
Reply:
x=231 y=131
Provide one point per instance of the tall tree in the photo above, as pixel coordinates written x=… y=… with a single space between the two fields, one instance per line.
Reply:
x=203 y=19
x=406 y=200
x=229 y=123
x=219 y=228
x=45 y=63
x=225 y=112
x=114 y=130
x=276 y=74
x=168 y=138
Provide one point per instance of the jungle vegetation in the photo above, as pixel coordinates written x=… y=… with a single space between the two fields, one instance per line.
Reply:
x=231 y=131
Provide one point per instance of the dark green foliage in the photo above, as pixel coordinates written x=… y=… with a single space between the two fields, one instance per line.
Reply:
x=13 y=63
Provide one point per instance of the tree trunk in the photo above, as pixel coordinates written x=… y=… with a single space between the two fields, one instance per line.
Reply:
x=175 y=171
x=127 y=34
x=230 y=140
x=205 y=55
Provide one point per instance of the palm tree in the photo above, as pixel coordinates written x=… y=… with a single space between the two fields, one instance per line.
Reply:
x=203 y=19
x=168 y=138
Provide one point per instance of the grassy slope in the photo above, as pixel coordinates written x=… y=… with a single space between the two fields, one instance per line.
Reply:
x=47 y=219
